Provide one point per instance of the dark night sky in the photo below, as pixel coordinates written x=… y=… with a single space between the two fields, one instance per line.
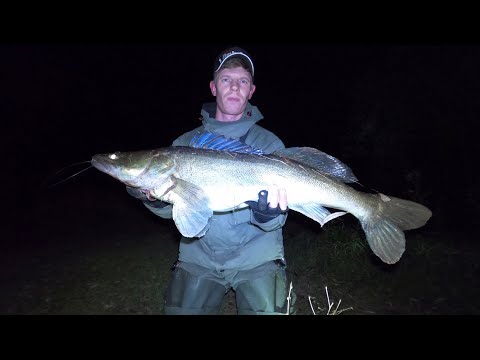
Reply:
x=393 y=112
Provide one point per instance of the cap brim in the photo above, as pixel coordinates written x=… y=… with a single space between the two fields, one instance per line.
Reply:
x=237 y=54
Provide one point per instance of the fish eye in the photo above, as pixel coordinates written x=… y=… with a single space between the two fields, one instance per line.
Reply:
x=113 y=156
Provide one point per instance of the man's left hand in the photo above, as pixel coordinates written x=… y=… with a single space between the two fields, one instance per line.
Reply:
x=271 y=203
x=277 y=198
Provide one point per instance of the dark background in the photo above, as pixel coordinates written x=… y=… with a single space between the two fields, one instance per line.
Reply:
x=401 y=115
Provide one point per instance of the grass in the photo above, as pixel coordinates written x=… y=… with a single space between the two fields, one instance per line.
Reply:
x=436 y=275
x=116 y=260
x=332 y=308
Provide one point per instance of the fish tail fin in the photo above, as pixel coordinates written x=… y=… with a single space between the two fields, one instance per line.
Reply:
x=384 y=226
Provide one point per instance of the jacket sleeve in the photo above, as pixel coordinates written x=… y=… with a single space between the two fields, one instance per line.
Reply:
x=271 y=225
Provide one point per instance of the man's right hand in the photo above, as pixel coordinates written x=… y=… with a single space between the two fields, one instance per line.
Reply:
x=139 y=194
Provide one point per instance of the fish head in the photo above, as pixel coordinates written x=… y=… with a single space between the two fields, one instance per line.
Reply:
x=140 y=169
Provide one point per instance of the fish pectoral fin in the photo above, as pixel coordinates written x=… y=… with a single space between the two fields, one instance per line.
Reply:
x=317 y=212
x=191 y=208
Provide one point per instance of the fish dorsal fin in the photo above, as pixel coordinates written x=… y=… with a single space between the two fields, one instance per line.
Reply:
x=320 y=161
x=208 y=140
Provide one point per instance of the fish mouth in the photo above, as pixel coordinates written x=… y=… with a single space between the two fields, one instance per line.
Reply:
x=100 y=165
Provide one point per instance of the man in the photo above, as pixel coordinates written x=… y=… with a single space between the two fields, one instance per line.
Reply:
x=243 y=249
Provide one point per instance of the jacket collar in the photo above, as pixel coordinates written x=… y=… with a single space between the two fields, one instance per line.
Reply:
x=233 y=129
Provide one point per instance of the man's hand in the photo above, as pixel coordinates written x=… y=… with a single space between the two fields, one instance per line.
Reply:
x=137 y=193
x=145 y=197
x=277 y=198
x=271 y=203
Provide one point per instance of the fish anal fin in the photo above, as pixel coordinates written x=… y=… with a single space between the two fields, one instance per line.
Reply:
x=317 y=212
x=333 y=216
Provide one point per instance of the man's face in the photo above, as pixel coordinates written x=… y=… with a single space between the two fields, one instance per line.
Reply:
x=232 y=88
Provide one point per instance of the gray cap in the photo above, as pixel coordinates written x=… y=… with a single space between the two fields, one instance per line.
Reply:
x=230 y=53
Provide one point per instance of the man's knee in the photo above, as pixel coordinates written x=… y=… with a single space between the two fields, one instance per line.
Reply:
x=188 y=294
x=267 y=295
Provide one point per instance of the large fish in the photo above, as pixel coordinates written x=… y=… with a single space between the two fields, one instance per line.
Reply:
x=215 y=174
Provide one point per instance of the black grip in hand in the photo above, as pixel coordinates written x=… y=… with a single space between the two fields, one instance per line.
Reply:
x=261 y=211
x=262 y=200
